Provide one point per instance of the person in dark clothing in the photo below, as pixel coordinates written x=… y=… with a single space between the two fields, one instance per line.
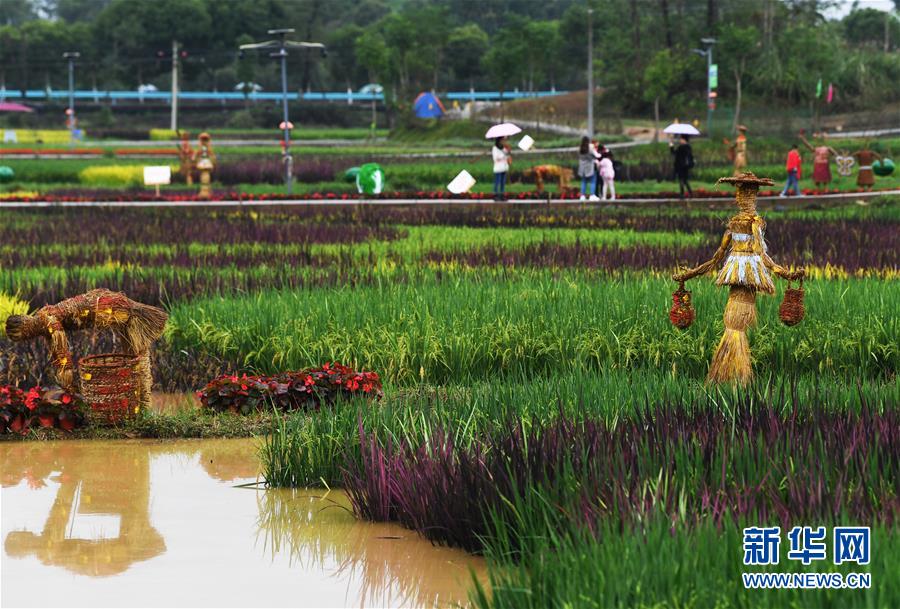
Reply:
x=684 y=162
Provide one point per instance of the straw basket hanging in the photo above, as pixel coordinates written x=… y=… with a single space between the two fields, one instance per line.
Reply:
x=682 y=313
x=110 y=384
x=792 y=311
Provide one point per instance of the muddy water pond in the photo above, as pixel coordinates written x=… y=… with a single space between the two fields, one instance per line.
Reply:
x=149 y=523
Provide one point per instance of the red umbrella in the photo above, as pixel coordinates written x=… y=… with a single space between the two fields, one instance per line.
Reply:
x=13 y=107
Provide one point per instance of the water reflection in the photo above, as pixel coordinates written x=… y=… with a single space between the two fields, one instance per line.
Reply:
x=93 y=527
x=395 y=566
x=143 y=514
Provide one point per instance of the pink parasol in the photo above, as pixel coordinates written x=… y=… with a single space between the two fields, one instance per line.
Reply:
x=13 y=107
x=502 y=130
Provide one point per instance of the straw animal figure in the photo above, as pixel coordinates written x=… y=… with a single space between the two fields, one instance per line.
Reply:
x=746 y=267
x=546 y=172
x=137 y=326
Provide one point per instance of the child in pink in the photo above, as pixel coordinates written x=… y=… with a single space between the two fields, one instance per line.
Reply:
x=608 y=175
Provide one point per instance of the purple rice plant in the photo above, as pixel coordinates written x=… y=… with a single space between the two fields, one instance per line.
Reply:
x=688 y=463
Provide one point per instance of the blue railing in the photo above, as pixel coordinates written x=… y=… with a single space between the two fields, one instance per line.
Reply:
x=337 y=96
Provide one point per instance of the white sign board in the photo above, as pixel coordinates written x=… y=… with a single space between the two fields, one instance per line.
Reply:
x=157 y=176
x=461 y=183
x=526 y=142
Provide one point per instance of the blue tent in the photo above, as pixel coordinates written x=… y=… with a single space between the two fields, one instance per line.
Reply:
x=427 y=105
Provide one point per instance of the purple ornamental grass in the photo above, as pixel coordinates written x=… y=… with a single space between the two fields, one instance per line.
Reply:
x=687 y=463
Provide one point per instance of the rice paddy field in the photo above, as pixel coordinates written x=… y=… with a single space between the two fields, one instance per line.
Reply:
x=539 y=407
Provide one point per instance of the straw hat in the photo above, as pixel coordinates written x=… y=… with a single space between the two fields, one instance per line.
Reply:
x=742 y=128
x=747 y=177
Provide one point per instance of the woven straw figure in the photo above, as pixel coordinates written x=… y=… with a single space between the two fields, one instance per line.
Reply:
x=186 y=158
x=136 y=325
x=747 y=269
x=737 y=151
x=205 y=163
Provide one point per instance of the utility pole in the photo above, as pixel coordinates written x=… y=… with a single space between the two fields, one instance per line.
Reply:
x=590 y=74
x=710 y=94
x=173 y=122
x=282 y=45
x=71 y=56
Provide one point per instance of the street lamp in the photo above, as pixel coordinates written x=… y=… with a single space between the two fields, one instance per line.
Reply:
x=282 y=44
x=590 y=74
x=710 y=96
x=71 y=56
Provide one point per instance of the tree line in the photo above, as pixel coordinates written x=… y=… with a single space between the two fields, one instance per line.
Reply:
x=770 y=52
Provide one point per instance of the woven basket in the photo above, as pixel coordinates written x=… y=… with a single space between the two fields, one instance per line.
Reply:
x=109 y=383
x=792 y=311
x=682 y=313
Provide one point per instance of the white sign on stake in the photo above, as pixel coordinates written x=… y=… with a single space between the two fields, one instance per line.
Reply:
x=526 y=142
x=463 y=182
x=157 y=176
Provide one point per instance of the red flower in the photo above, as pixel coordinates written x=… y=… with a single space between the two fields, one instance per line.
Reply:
x=32 y=398
x=66 y=398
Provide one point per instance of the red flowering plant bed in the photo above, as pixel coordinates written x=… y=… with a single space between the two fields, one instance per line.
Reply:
x=40 y=407
x=303 y=389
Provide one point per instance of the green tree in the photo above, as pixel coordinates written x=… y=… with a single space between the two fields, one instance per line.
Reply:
x=738 y=47
x=660 y=76
x=873 y=28
x=466 y=45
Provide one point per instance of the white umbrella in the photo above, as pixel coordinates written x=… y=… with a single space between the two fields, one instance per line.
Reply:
x=502 y=130
x=248 y=86
x=681 y=129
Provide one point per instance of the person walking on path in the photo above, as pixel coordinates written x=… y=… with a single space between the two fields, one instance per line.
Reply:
x=866 y=177
x=586 y=162
x=608 y=175
x=684 y=162
x=821 y=161
x=793 y=167
x=502 y=159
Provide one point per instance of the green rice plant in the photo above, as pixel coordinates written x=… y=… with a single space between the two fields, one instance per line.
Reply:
x=460 y=326
x=310 y=449
x=658 y=566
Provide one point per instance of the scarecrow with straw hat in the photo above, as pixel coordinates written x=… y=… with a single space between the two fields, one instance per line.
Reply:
x=737 y=150
x=747 y=269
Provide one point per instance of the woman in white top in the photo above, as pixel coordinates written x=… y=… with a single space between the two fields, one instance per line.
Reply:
x=502 y=159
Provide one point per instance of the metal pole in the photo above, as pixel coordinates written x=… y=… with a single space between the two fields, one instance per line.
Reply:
x=71 y=56
x=709 y=101
x=282 y=45
x=288 y=160
x=590 y=75
x=173 y=121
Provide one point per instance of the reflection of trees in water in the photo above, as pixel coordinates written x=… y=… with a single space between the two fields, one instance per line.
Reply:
x=318 y=531
x=91 y=480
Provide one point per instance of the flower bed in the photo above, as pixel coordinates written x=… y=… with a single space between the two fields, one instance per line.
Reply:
x=40 y=407
x=304 y=389
x=146 y=152
x=436 y=195
x=50 y=151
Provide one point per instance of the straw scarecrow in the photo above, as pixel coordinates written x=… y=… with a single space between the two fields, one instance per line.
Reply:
x=747 y=268
x=737 y=150
x=135 y=324
x=205 y=163
x=186 y=158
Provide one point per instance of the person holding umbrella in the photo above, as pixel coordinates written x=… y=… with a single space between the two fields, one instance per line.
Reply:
x=684 y=162
x=502 y=158
x=500 y=155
